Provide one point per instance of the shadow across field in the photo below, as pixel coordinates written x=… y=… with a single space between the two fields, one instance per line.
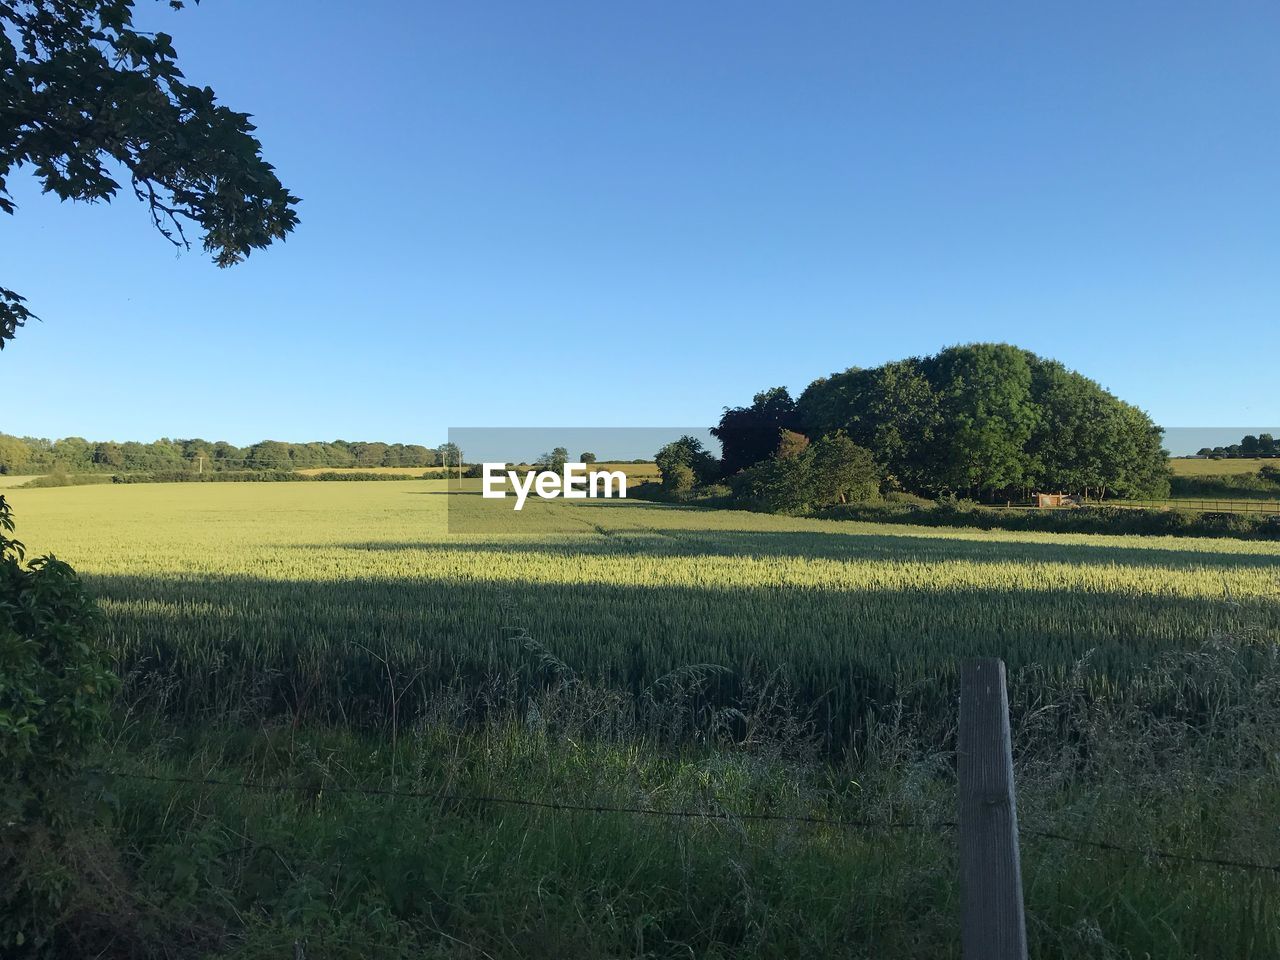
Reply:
x=344 y=650
x=677 y=542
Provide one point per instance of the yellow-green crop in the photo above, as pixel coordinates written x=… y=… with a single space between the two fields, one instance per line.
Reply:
x=300 y=591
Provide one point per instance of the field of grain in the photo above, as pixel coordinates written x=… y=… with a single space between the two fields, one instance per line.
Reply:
x=315 y=585
x=388 y=471
x=1186 y=467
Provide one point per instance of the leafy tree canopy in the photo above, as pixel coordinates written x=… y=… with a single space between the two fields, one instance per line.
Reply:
x=751 y=434
x=790 y=444
x=842 y=471
x=77 y=455
x=990 y=418
x=87 y=101
x=684 y=463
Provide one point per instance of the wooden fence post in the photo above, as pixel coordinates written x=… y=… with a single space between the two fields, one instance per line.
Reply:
x=993 y=926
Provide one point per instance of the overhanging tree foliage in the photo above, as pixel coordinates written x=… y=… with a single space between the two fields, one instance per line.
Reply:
x=86 y=101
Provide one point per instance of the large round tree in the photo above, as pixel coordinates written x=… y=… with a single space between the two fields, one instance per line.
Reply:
x=987 y=419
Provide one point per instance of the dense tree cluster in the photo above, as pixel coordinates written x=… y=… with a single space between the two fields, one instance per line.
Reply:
x=982 y=420
x=988 y=420
x=77 y=455
x=1250 y=447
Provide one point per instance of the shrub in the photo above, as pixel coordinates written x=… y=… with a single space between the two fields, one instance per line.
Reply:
x=778 y=485
x=686 y=452
x=843 y=471
x=55 y=689
x=678 y=478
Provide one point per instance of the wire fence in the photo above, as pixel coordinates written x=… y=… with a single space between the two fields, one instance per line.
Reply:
x=557 y=805
x=1266 y=507
x=931 y=826
x=1207 y=505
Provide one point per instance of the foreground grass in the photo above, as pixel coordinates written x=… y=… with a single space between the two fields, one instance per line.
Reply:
x=226 y=871
x=372 y=876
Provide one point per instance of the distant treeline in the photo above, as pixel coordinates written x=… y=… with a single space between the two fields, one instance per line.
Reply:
x=985 y=421
x=1263 y=445
x=75 y=455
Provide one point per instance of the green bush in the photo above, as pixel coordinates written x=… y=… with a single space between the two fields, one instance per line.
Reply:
x=55 y=689
x=684 y=464
x=776 y=485
x=341 y=475
x=678 y=478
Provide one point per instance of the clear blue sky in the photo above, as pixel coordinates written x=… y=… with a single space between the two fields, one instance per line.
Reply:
x=637 y=213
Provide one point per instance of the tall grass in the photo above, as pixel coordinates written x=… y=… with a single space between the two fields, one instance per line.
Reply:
x=1189 y=770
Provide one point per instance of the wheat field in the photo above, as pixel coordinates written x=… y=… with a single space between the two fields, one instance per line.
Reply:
x=317 y=586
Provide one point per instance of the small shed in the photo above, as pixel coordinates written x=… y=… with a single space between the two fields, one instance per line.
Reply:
x=1048 y=500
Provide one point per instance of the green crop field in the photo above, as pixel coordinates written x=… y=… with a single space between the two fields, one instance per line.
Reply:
x=225 y=581
x=1185 y=467
x=629 y=654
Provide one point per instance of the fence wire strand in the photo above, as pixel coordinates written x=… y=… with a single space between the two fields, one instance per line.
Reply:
x=1150 y=854
x=481 y=799
x=726 y=816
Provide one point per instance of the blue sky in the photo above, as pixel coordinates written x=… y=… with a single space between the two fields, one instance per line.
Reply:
x=624 y=214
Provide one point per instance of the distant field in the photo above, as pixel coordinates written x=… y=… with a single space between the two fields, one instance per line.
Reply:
x=1199 y=468
x=393 y=471
x=634 y=471
x=11 y=480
